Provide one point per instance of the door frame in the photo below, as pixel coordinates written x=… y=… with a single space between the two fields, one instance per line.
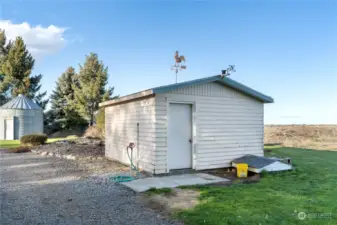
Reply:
x=11 y=120
x=194 y=130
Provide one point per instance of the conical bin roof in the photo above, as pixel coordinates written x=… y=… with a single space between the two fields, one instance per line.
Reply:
x=20 y=102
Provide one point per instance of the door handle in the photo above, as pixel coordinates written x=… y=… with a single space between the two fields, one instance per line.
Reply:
x=190 y=140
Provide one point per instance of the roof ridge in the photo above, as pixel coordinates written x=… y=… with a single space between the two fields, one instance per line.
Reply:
x=224 y=80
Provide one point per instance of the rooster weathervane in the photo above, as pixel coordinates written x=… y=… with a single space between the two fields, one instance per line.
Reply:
x=179 y=64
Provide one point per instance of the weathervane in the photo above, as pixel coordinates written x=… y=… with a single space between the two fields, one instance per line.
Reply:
x=178 y=65
x=227 y=72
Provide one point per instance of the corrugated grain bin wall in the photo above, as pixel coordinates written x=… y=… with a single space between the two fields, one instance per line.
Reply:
x=27 y=115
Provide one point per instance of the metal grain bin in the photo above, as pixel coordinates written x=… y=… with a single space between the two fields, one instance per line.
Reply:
x=20 y=116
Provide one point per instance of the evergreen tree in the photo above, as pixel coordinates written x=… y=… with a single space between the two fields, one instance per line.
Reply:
x=91 y=87
x=62 y=98
x=16 y=68
x=4 y=49
x=34 y=93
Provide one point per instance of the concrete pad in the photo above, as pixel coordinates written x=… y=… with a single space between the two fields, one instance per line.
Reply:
x=145 y=184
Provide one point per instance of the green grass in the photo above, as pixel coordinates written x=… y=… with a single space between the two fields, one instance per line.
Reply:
x=50 y=140
x=16 y=143
x=9 y=143
x=156 y=191
x=278 y=197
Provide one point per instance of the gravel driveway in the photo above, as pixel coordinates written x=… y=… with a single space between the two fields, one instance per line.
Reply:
x=46 y=190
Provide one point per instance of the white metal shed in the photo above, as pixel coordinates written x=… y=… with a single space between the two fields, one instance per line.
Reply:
x=199 y=124
x=19 y=117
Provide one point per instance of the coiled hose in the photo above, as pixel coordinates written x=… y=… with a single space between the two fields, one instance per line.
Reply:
x=133 y=168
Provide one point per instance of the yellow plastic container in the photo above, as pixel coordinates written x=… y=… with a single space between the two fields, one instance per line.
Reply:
x=242 y=170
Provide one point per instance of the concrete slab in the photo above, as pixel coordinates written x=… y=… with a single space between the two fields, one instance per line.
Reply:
x=145 y=184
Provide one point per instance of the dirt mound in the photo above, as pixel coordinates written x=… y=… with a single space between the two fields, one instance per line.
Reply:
x=72 y=148
x=89 y=158
x=304 y=136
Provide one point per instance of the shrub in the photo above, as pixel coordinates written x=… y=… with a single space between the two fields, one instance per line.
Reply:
x=100 y=122
x=33 y=139
x=21 y=149
x=100 y=119
x=93 y=132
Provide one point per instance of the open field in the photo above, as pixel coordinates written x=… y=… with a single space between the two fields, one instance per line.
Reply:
x=320 y=137
x=16 y=143
x=277 y=198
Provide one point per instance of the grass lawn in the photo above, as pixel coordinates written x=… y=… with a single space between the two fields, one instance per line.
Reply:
x=9 y=143
x=277 y=198
x=16 y=143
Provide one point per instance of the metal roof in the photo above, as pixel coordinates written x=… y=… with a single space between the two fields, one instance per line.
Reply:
x=20 y=102
x=218 y=78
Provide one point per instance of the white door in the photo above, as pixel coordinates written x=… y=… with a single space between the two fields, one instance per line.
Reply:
x=9 y=129
x=180 y=136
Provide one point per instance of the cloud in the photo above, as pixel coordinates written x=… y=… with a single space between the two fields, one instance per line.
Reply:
x=40 y=41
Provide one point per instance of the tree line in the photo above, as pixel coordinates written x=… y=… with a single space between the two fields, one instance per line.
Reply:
x=77 y=94
x=75 y=99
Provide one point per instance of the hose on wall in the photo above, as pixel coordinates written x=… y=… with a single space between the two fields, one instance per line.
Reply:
x=133 y=168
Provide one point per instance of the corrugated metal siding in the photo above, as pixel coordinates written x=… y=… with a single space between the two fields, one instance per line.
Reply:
x=25 y=121
x=121 y=129
x=2 y=128
x=228 y=125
